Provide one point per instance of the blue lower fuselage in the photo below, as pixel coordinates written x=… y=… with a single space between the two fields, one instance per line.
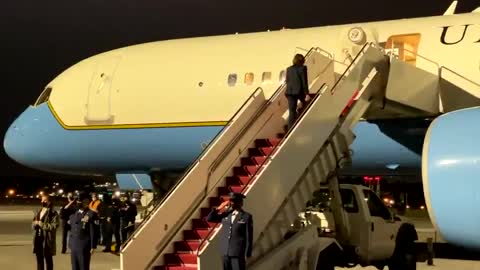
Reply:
x=36 y=139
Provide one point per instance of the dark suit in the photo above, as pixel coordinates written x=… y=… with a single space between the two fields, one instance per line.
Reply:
x=236 y=239
x=67 y=210
x=82 y=239
x=297 y=89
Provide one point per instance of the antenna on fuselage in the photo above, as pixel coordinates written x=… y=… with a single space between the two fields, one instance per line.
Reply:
x=451 y=9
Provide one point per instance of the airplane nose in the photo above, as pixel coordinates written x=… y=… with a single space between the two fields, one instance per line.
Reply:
x=21 y=139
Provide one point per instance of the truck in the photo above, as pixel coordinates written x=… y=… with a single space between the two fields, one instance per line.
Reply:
x=353 y=227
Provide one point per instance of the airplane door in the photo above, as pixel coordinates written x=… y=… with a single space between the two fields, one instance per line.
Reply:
x=98 y=107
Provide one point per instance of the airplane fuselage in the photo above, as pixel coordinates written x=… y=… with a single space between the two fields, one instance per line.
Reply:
x=154 y=106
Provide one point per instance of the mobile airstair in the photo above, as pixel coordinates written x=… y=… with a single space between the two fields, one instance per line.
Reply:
x=276 y=171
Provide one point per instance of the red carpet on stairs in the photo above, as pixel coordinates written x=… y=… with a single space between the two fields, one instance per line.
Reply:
x=185 y=255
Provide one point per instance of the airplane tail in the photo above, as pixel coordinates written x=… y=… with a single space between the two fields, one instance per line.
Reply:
x=451 y=9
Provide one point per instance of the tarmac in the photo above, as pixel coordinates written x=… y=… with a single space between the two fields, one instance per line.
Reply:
x=16 y=250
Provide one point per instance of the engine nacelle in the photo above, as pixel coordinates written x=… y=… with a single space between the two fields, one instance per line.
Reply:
x=451 y=176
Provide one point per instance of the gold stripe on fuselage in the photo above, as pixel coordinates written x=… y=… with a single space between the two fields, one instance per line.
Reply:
x=136 y=126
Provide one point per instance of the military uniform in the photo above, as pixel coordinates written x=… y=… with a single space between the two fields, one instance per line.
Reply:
x=82 y=239
x=236 y=236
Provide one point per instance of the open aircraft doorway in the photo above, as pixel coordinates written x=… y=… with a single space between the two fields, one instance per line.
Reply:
x=404 y=46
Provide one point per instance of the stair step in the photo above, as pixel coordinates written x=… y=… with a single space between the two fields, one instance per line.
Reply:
x=267 y=142
x=200 y=223
x=251 y=170
x=204 y=211
x=237 y=180
x=266 y=151
x=236 y=189
x=187 y=246
x=254 y=152
x=247 y=161
x=175 y=267
x=274 y=141
x=222 y=191
x=240 y=171
x=261 y=143
x=180 y=259
x=214 y=201
x=259 y=160
x=195 y=234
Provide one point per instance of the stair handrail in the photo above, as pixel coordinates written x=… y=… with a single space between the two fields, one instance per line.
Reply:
x=439 y=66
x=273 y=97
x=192 y=166
x=459 y=75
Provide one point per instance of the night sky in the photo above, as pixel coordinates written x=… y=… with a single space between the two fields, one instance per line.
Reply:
x=40 y=39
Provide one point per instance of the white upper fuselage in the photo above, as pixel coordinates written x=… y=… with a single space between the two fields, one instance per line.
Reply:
x=185 y=82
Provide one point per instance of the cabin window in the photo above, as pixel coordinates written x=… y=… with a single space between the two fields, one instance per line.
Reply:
x=282 y=76
x=349 y=200
x=232 y=80
x=266 y=77
x=376 y=206
x=405 y=47
x=44 y=96
x=249 y=78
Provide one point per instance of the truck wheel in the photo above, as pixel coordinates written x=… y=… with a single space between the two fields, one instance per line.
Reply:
x=404 y=257
x=326 y=258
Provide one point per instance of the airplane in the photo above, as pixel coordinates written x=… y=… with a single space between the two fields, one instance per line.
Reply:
x=154 y=107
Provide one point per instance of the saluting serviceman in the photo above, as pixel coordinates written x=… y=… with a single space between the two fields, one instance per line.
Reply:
x=236 y=237
x=82 y=236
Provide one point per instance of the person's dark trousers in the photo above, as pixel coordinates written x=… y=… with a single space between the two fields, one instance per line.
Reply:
x=96 y=233
x=233 y=263
x=43 y=259
x=116 y=233
x=81 y=259
x=292 y=108
x=101 y=237
x=65 y=229
x=107 y=236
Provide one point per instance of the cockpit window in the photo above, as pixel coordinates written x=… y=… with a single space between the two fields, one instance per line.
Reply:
x=44 y=96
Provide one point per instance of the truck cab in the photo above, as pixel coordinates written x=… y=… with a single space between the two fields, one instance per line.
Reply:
x=363 y=225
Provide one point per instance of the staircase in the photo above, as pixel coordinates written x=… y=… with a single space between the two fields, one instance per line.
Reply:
x=170 y=237
x=185 y=254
